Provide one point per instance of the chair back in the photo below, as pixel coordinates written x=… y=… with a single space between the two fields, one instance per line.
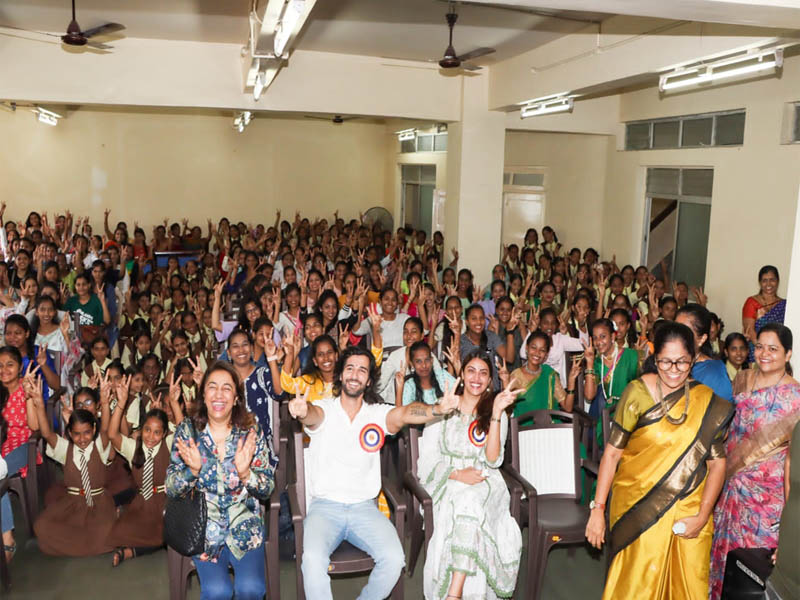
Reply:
x=301 y=477
x=412 y=451
x=546 y=452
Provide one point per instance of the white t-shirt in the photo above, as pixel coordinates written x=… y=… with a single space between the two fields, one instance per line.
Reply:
x=339 y=468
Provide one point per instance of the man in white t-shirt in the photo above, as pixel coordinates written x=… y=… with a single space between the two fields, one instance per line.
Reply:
x=343 y=464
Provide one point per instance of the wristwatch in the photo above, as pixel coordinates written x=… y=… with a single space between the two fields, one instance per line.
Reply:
x=600 y=505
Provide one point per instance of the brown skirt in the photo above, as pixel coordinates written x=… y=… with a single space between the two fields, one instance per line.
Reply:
x=70 y=528
x=118 y=476
x=141 y=523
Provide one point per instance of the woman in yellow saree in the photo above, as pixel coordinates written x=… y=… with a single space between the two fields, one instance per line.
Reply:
x=664 y=467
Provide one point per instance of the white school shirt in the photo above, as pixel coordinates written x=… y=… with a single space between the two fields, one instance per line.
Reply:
x=59 y=453
x=555 y=358
x=339 y=469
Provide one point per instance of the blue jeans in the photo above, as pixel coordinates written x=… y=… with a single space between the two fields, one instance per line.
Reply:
x=249 y=580
x=15 y=460
x=330 y=523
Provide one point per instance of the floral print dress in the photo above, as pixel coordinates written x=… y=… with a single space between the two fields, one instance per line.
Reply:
x=234 y=517
x=749 y=509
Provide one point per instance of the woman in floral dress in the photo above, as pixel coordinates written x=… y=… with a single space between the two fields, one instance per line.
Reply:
x=475 y=549
x=767 y=403
x=222 y=452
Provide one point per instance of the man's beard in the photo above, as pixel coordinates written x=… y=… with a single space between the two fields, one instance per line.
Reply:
x=354 y=392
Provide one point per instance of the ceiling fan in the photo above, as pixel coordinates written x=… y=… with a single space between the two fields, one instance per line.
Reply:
x=451 y=60
x=75 y=37
x=336 y=119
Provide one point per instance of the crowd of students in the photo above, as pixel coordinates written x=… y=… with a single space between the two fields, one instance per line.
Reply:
x=168 y=366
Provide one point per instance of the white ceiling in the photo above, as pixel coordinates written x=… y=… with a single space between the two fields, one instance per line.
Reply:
x=413 y=29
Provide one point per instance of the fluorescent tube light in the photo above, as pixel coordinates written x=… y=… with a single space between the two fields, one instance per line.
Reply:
x=292 y=13
x=242 y=120
x=406 y=134
x=546 y=108
x=48 y=117
x=712 y=73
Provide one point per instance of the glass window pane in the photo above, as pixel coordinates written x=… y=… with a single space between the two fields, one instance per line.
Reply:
x=697 y=182
x=697 y=132
x=797 y=123
x=665 y=134
x=424 y=143
x=662 y=181
x=506 y=178
x=730 y=130
x=410 y=173
x=691 y=249
x=637 y=136
x=440 y=143
x=408 y=146
x=530 y=179
x=428 y=173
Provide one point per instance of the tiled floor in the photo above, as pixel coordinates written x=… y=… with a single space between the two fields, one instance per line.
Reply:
x=570 y=575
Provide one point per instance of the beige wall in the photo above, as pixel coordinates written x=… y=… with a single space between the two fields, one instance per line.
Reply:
x=755 y=192
x=574 y=181
x=147 y=165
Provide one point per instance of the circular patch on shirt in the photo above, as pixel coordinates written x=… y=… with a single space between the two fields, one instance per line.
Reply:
x=478 y=438
x=371 y=438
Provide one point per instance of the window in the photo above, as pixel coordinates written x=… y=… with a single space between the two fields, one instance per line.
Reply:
x=425 y=142
x=690 y=131
x=527 y=177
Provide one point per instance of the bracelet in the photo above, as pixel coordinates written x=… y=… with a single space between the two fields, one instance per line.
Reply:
x=589 y=372
x=572 y=391
x=493 y=420
x=272 y=358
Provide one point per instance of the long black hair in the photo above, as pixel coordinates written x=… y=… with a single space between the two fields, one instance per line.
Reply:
x=484 y=341
x=370 y=395
x=138 y=455
x=35 y=321
x=700 y=318
x=82 y=416
x=4 y=392
x=414 y=376
x=483 y=410
x=22 y=322
x=311 y=371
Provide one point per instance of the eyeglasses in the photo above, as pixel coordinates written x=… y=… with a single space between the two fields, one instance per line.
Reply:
x=681 y=364
x=85 y=402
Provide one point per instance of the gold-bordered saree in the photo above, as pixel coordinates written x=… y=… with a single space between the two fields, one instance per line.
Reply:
x=660 y=479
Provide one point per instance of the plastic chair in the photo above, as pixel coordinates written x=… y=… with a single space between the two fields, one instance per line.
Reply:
x=346 y=559
x=27 y=488
x=554 y=515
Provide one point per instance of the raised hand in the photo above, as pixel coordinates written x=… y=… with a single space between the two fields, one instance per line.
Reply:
x=197 y=372
x=502 y=369
x=123 y=388
x=244 y=455
x=105 y=389
x=374 y=316
x=344 y=336
x=450 y=399
x=190 y=455
x=400 y=375
x=700 y=296
x=505 y=398
x=453 y=355
x=298 y=406
x=494 y=324
x=41 y=355
x=588 y=353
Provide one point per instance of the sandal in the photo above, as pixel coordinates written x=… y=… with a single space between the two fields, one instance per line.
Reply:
x=10 y=551
x=119 y=556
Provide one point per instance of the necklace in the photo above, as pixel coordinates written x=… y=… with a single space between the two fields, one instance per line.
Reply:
x=612 y=370
x=528 y=371
x=755 y=377
x=660 y=398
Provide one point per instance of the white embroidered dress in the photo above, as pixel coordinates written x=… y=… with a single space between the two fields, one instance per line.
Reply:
x=474 y=531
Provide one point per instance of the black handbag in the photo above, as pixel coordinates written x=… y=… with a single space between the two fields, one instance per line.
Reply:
x=746 y=573
x=185 y=522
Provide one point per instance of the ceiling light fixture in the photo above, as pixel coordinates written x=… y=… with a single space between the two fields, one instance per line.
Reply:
x=752 y=61
x=293 y=11
x=48 y=117
x=406 y=134
x=242 y=120
x=546 y=106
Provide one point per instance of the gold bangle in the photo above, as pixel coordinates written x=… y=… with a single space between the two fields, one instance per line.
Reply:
x=493 y=420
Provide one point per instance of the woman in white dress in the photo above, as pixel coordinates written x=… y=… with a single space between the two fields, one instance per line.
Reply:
x=475 y=549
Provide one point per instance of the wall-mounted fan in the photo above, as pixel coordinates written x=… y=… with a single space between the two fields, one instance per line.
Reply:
x=380 y=216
